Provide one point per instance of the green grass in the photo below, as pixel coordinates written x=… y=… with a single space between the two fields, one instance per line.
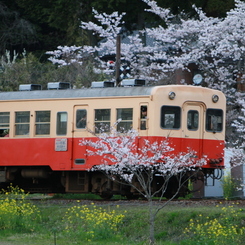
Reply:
x=171 y=224
x=84 y=196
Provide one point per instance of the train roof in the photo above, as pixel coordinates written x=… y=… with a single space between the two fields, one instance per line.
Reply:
x=88 y=92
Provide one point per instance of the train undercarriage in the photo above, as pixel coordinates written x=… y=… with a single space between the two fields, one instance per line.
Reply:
x=44 y=180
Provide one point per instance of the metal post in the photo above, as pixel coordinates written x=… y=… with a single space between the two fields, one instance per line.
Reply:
x=118 y=60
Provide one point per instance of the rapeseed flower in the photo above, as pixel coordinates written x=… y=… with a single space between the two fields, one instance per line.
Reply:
x=92 y=222
x=220 y=230
x=15 y=211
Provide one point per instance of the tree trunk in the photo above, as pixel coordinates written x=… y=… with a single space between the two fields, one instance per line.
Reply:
x=151 y=223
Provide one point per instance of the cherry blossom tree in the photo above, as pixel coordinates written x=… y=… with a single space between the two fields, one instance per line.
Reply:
x=215 y=47
x=125 y=162
x=206 y=41
x=108 y=29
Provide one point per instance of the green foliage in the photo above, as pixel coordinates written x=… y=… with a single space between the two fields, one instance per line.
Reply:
x=15 y=212
x=229 y=186
x=215 y=8
x=78 y=75
x=27 y=69
x=85 y=196
x=57 y=21
x=218 y=8
x=44 y=25
x=14 y=29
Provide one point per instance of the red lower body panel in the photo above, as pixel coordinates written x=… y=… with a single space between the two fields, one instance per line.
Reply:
x=44 y=152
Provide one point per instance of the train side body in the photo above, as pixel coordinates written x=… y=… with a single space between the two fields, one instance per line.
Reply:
x=41 y=136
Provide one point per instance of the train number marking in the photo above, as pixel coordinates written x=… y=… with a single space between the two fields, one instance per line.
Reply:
x=60 y=144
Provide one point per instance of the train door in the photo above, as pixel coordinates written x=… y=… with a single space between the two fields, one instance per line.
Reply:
x=193 y=127
x=80 y=124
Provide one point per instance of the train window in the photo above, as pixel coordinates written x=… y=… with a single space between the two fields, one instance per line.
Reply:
x=81 y=118
x=61 y=124
x=126 y=119
x=102 y=120
x=214 y=120
x=22 y=123
x=42 y=123
x=143 y=117
x=192 y=120
x=170 y=117
x=4 y=124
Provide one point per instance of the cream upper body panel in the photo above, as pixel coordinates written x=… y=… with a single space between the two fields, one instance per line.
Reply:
x=113 y=99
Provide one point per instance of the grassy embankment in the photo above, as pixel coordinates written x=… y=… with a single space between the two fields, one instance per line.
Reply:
x=23 y=222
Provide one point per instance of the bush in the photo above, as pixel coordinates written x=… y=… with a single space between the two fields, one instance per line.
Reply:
x=229 y=186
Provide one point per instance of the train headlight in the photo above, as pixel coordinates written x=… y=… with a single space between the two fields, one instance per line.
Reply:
x=215 y=98
x=171 y=95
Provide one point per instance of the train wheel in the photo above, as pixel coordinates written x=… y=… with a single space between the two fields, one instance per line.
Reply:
x=131 y=196
x=106 y=194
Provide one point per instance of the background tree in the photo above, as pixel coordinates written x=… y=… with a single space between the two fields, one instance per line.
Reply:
x=56 y=21
x=214 y=8
x=123 y=161
x=27 y=69
x=14 y=30
x=51 y=23
x=23 y=69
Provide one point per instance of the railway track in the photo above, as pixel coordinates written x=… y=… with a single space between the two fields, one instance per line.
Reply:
x=123 y=202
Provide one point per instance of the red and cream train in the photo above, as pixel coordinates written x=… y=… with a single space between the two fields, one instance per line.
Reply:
x=41 y=129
